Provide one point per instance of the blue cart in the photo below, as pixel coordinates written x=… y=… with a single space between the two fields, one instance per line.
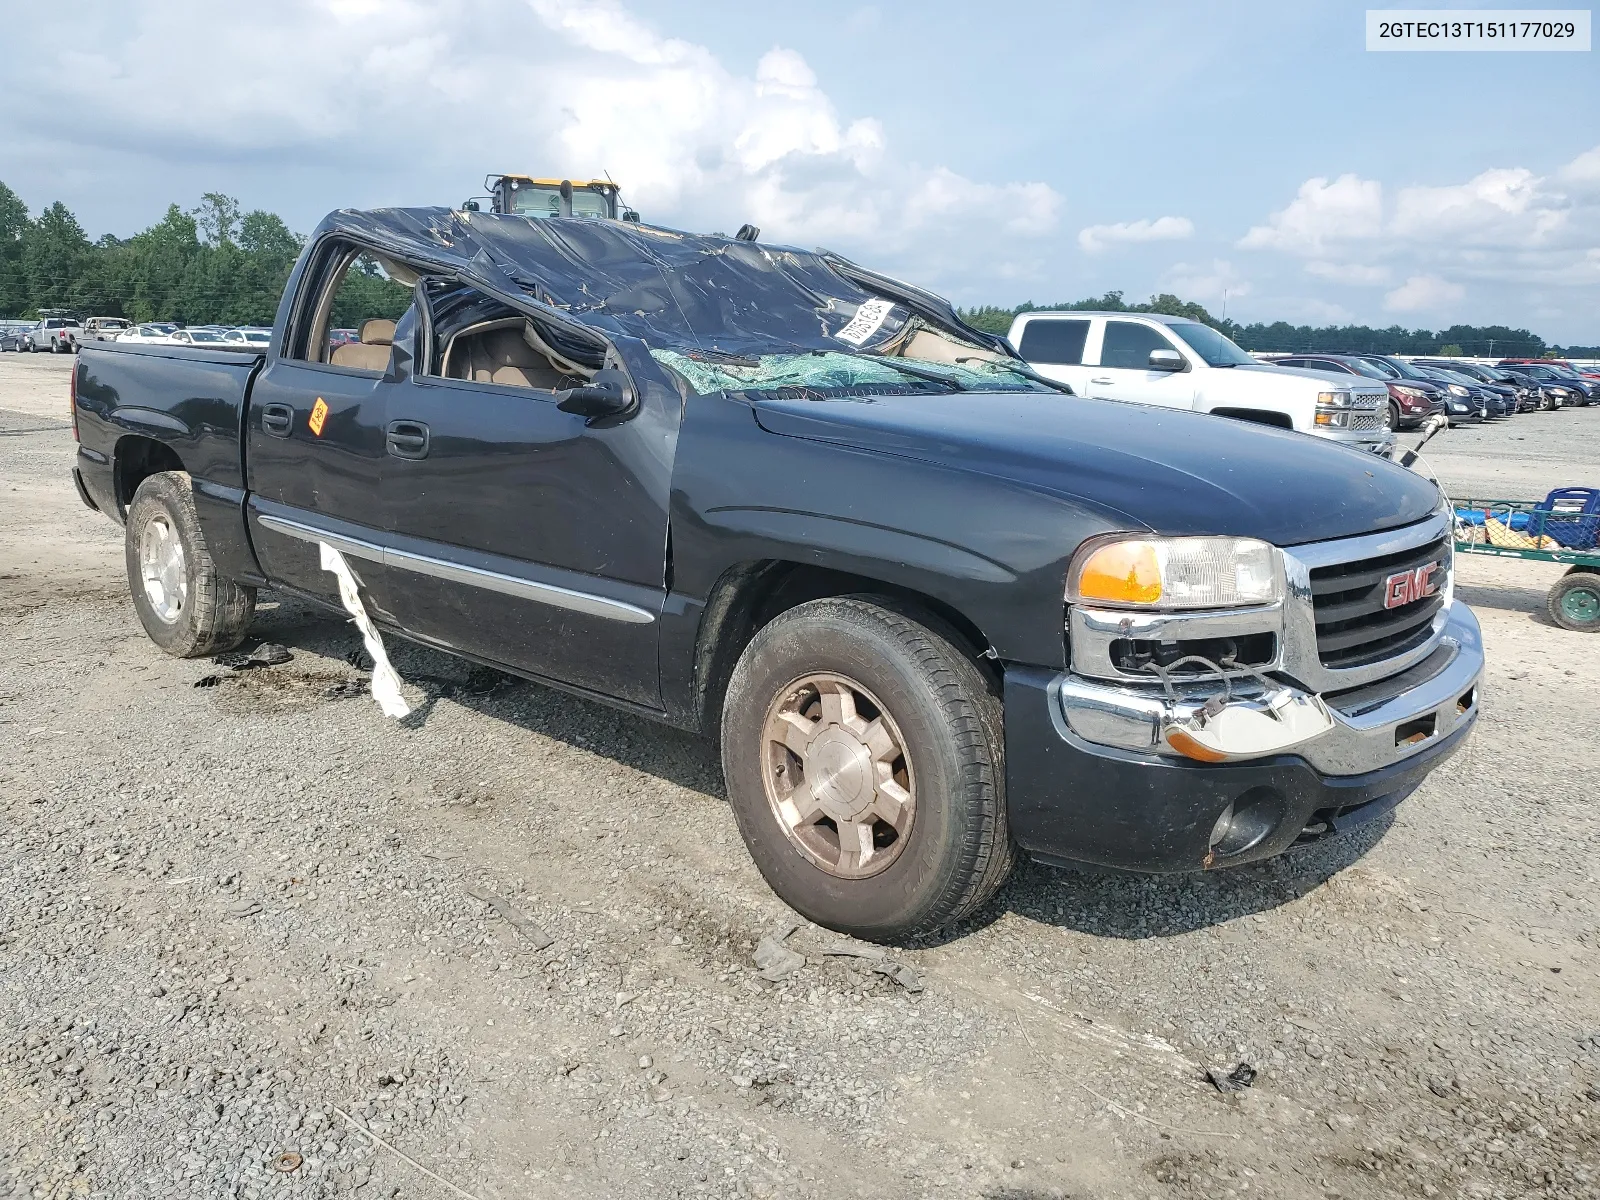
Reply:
x=1564 y=527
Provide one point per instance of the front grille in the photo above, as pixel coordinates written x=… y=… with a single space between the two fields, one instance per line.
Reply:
x=1353 y=626
x=1366 y=420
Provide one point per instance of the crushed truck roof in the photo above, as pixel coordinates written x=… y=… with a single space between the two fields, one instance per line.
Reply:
x=671 y=289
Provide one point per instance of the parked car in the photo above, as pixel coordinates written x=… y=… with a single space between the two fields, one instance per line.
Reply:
x=195 y=335
x=1559 y=390
x=248 y=337
x=1462 y=409
x=1588 y=389
x=1488 y=405
x=103 y=329
x=1588 y=371
x=58 y=335
x=1526 y=392
x=1514 y=399
x=1411 y=401
x=342 y=337
x=1173 y=362
x=145 y=334
x=14 y=335
x=936 y=609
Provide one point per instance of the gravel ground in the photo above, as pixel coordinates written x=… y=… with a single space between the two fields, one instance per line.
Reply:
x=237 y=944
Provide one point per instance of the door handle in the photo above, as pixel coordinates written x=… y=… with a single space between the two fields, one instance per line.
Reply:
x=407 y=439
x=277 y=419
x=1103 y=379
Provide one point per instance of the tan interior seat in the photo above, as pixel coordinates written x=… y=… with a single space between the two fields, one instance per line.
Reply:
x=930 y=347
x=377 y=331
x=371 y=353
x=499 y=353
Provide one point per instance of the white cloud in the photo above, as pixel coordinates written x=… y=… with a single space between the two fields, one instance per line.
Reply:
x=1423 y=293
x=1486 y=248
x=412 y=101
x=1163 y=229
x=1352 y=273
x=1206 y=284
x=1498 y=207
x=1321 y=212
x=1583 y=171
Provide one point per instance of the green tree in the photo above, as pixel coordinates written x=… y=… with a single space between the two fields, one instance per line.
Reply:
x=55 y=254
x=1451 y=350
x=265 y=235
x=13 y=281
x=218 y=218
x=368 y=292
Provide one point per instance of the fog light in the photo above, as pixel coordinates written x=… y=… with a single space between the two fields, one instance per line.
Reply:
x=1220 y=829
x=1244 y=824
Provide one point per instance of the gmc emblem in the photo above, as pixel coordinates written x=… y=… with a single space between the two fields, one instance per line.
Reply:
x=1404 y=587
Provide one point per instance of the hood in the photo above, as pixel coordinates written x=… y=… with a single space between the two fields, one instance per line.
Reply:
x=685 y=292
x=1270 y=375
x=1168 y=471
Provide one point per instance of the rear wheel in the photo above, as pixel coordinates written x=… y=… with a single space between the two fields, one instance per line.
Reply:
x=186 y=607
x=863 y=754
x=1574 y=602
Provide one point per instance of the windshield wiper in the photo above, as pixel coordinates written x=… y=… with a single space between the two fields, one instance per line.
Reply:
x=1014 y=367
x=917 y=373
x=1027 y=372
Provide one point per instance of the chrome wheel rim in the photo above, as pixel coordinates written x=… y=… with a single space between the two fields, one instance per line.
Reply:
x=837 y=775
x=162 y=569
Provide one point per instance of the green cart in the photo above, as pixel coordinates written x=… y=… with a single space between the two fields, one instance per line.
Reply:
x=1562 y=528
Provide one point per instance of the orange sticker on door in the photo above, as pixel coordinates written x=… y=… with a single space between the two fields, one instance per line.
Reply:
x=319 y=416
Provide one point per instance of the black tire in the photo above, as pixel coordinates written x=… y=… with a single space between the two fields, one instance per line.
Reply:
x=1574 y=602
x=1394 y=418
x=215 y=612
x=958 y=850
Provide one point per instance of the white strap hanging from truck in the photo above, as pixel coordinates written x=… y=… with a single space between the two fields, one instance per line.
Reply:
x=385 y=681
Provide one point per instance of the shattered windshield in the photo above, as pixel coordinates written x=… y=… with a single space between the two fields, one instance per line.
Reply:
x=838 y=372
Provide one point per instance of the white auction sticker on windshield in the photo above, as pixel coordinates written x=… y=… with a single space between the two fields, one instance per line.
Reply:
x=869 y=317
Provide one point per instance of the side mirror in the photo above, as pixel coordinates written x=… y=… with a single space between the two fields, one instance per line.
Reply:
x=1166 y=360
x=608 y=394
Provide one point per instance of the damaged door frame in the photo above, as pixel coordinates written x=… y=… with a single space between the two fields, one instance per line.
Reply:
x=615 y=617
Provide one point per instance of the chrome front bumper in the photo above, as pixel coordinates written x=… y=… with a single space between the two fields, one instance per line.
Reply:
x=1375 y=725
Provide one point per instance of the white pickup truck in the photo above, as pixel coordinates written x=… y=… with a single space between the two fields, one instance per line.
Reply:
x=1173 y=362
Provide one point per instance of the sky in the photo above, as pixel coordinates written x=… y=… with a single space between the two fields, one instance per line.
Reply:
x=1251 y=156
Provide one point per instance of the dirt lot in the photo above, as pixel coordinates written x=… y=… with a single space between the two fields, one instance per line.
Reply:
x=234 y=926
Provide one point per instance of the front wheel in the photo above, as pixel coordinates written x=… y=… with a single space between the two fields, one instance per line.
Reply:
x=186 y=607
x=864 y=759
x=1574 y=602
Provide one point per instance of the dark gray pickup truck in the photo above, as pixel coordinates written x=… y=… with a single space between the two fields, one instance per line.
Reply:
x=937 y=610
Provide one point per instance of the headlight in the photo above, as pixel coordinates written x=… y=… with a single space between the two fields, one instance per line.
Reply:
x=1457 y=389
x=1333 y=409
x=1176 y=573
x=1413 y=393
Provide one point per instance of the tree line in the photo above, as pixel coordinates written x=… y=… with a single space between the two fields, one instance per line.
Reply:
x=217 y=264
x=1475 y=341
x=212 y=264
